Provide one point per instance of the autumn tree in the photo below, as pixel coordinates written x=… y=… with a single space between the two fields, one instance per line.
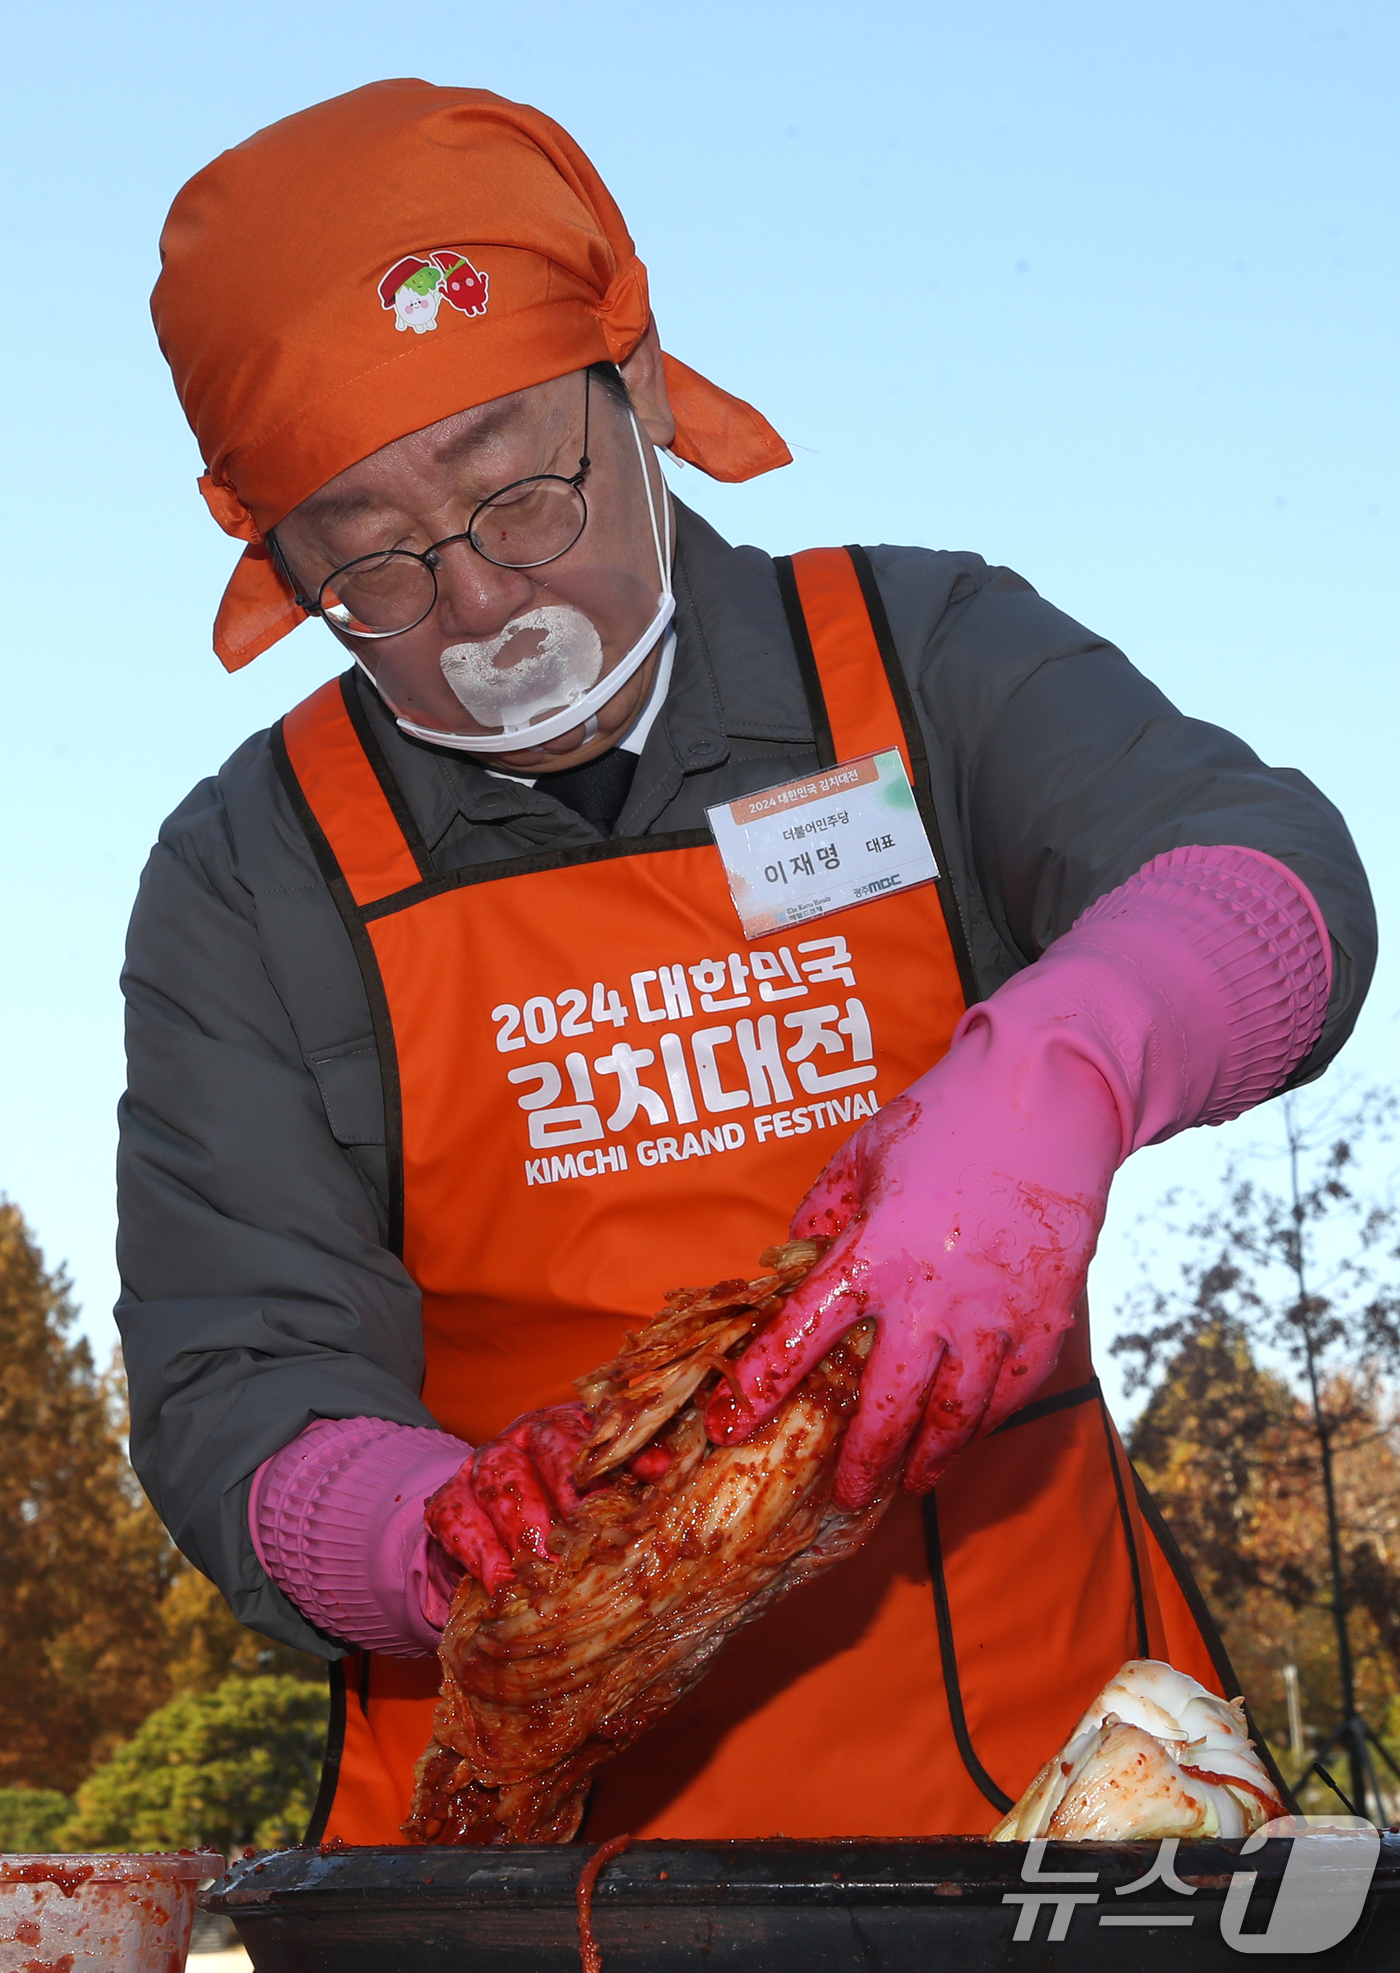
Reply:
x=83 y=1568
x=1228 y=1451
x=1268 y=1437
x=204 y=1643
x=100 y=1619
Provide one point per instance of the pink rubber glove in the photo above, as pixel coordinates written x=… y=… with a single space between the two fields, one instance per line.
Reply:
x=367 y=1526
x=508 y=1495
x=965 y=1214
x=337 y=1522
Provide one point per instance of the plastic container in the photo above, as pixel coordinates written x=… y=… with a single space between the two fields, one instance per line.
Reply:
x=942 y=1905
x=100 y=1914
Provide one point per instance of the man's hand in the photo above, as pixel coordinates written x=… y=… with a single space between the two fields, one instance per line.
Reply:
x=962 y=1218
x=509 y=1494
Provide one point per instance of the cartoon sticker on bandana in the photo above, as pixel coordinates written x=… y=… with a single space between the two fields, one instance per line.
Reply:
x=417 y=286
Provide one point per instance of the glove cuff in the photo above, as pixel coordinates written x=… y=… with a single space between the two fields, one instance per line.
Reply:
x=1242 y=959
x=337 y=1522
x=1193 y=991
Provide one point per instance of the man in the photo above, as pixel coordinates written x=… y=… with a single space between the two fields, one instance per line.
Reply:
x=450 y=1055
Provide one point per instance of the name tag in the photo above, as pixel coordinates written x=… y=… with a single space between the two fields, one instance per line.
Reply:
x=811 y=847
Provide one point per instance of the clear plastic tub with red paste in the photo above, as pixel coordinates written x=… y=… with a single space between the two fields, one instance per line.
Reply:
x=116 y=1914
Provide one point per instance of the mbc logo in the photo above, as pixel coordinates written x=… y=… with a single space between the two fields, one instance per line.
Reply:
x=1320 y=1898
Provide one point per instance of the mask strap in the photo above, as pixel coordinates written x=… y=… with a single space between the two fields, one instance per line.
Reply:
x=663 y=562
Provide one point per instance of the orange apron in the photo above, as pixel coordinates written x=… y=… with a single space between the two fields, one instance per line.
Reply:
x=597 y=1090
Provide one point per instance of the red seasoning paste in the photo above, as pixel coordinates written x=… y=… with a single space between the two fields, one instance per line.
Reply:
x=67 y=1876
x=588 y=1947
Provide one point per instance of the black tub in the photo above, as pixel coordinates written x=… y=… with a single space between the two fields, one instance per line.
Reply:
x=951 y=1903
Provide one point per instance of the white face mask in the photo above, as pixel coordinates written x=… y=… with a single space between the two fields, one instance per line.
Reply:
x=555 y=687
x=501 y=690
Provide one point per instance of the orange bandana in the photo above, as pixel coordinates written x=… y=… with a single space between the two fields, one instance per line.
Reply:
x=377 y=263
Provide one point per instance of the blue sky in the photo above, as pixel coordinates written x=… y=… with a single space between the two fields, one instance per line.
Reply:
x=1103 y=292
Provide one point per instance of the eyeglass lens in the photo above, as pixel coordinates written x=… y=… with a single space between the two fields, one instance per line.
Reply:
x=529 y=523
x=518 y=528
x=524 y=525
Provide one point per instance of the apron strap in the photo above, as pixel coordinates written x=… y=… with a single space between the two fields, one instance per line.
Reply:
x=846 y=655
x=857 y=694
x=345 y=796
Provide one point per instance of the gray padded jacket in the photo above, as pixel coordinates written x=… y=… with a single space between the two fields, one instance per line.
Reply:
x=257 y=1291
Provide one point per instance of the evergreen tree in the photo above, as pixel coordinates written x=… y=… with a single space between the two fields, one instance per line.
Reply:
x=235 y=1766
x=30 y=1819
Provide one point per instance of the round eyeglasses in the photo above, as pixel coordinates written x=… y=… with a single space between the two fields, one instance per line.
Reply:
x=523 y=525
